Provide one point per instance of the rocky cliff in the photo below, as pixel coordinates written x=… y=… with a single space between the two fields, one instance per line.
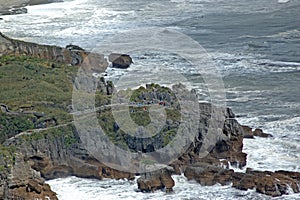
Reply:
x=36 y=149
x=70 y=55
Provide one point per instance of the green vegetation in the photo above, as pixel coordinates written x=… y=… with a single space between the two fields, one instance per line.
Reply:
x=66 y=133
x=7 y=157
x=31 y=84
x=141 y=101
x=38 y=94
x=140 y=115
x=148 y=162
x=11 y=125
x=109 y=126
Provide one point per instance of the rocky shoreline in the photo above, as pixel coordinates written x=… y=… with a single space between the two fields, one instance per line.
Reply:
x=30 y=157
x=13 y=7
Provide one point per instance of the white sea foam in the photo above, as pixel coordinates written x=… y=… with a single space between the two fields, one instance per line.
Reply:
x=283 y=1
x=83 y=189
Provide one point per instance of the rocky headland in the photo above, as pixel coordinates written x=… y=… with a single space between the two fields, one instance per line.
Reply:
x=39 y=140
x=12 y=7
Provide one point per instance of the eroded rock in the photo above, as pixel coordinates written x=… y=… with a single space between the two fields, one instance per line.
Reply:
x=157 y=180
x=122 y=61
x=270 y=183
x=250 y=133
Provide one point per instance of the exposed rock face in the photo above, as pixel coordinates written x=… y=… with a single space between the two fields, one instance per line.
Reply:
x=24 y=183
x=156 y=180
x=122 y=61
x=54 y=160
x=227 y=145
x=49 y=158
x=72 y=55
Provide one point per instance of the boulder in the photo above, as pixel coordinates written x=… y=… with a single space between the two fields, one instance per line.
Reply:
x=207 y=174
x=122 y=61
x=259 y=133
x=160 y=179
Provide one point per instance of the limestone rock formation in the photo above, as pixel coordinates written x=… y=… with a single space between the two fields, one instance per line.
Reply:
x=23 y=182
x=270 y=183
x=207 y=174
x=160 y=179
x=71 y=55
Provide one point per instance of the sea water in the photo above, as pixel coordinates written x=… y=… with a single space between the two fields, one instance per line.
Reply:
x=255 y=46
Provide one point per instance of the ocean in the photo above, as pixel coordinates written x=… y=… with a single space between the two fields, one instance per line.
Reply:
x=254 y=45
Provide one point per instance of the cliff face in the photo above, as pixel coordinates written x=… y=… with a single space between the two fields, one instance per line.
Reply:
x=70 y=55
x=49 y=155
x=15 y=47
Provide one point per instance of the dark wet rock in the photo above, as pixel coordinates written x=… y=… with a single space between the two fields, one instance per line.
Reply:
x=249 y=133
x=122 y=61
x=226 y=140
x=259 y=133
x=37 y=2
x=17 y=7
x=157 y=180
x=207 y=174
x=270 y=183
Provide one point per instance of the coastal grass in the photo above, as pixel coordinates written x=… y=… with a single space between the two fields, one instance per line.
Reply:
x=29 y=81
x=7 y=158
x=64 y=133
x=11 y=125
x=35 y=91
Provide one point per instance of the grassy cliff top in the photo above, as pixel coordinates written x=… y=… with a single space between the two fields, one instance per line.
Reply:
x=34 y=92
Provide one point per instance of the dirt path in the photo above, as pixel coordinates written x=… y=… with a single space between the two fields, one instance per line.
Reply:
x=29 y=132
